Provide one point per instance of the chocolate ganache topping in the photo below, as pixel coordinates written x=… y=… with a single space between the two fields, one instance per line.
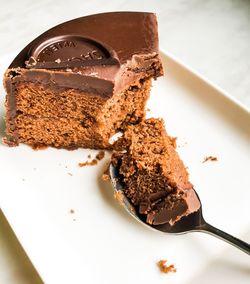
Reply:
x=100 y=53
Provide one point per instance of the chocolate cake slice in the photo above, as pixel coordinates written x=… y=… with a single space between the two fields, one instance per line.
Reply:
x=81 y=81
x=156 y=180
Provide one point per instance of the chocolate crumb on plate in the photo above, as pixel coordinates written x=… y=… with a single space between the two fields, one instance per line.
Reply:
x=162 y=264
x=210 y=158
x=118 y=195
x=105 y=177
x=71 y=211
x=88 y=163
x=100 y=155
x=173 y=141
x=70 y=174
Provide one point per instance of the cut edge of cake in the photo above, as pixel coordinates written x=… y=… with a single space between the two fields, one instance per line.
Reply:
x=156 y=180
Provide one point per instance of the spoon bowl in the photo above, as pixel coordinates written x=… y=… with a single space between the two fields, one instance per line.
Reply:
x=192 y=223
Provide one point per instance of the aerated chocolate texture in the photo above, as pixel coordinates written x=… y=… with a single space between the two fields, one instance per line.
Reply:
x=80 y=82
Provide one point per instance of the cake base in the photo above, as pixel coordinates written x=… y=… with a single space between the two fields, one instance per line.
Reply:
x=68 y=118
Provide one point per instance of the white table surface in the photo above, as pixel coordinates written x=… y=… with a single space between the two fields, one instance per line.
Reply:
x=213 y=37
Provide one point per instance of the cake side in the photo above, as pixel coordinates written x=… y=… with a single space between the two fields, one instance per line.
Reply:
x=75 y=86
x=68 y=118
x=155 y=177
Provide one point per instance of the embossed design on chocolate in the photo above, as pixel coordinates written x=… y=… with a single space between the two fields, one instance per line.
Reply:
x=70 y=51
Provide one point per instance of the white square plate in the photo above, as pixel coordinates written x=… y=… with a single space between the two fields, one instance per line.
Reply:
x=100 y=242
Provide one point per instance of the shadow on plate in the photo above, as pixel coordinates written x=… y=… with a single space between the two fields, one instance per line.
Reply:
x=231 y=266
x=21 y=269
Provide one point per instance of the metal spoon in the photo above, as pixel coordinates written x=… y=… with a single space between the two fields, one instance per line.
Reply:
x=191 y=223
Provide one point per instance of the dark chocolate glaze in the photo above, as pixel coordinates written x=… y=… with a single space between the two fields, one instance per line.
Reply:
x=118 y=34
x=100 y=53
x=172 y=208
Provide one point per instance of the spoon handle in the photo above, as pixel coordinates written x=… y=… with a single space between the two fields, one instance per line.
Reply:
x=226 y=237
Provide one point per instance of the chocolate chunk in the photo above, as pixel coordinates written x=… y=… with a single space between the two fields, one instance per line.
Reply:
x=116 y=35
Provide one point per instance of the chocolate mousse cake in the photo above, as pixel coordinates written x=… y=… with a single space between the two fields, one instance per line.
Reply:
x=80 y=82
x=156 y=180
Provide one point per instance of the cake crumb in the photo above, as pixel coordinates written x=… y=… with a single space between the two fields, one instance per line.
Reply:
x=95 y=74
x=5 y=141
x=164 y=267
x=31 y=62
x=119 y=196
x=182 y=145
x=173 y=141
x=70 y=174
x=37 y=147
x=105 y=177
x=148 y=109
x=100 y=155
x=71 y=211
x=210 y=158
x=88 y=163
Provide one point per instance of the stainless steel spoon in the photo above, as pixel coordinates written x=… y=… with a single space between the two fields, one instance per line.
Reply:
x=191 y=223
